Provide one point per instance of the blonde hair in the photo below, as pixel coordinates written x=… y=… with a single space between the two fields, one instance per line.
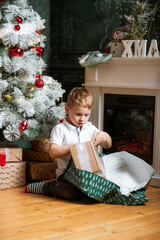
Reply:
x=80 y=96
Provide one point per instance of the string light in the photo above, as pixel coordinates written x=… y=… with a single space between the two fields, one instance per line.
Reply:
x=32 y=88
x=15 y=77
x=8 y=96
x=19 y=99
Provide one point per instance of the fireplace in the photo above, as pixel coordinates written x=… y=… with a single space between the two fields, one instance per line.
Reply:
x=129 y=119
x=126 y=95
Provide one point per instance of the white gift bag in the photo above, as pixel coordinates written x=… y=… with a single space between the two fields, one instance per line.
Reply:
x=129 y=172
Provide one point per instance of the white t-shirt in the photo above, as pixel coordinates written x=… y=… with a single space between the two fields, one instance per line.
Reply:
x=65 y=133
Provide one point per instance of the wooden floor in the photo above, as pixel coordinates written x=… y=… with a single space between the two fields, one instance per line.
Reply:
x=26 y=216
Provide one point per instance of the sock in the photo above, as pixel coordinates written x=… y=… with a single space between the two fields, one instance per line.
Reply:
x=35 y=187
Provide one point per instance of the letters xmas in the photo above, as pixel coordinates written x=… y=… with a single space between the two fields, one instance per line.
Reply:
x=139 y=48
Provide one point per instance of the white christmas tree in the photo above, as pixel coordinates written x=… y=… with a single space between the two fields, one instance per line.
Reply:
x=28 y=100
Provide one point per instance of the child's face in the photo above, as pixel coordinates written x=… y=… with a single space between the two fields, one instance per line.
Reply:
x=78 y=115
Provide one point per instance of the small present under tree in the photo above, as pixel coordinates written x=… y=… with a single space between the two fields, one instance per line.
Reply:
x=28 y=100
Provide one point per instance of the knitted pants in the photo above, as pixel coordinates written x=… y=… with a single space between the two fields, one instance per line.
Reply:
x=62 y=189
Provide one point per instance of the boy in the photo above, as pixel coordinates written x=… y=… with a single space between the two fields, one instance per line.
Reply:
x=75 y=128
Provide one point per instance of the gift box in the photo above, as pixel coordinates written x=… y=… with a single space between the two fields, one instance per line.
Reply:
x=13 y=175
x=41 y=145
x=2 y=159
x=86 y=158
x=13 y=154
x=37 y=156
x=41 y=171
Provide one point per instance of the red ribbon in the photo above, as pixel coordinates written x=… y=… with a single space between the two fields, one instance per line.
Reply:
x=2 y=159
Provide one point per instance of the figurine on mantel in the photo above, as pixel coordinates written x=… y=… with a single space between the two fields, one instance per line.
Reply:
x=116 y=47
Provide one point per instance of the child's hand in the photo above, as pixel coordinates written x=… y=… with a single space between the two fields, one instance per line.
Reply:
x=100 y=138
x=103 y=139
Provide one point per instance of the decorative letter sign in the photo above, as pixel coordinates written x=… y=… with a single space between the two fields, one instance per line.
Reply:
x=153 y=50
x=140 y=47
x=127 y=51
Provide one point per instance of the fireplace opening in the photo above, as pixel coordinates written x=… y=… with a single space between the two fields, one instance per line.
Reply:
x=129 y=119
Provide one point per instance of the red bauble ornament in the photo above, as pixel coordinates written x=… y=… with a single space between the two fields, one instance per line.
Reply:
x=17 y=27
x=13 y=51
x=18 y=19
x=1 y=0
x=19 y=52
x=38 y=76
x=39 y=51
x=23 y=126
x=37 y=31
x=62 y=120
x=39 y=83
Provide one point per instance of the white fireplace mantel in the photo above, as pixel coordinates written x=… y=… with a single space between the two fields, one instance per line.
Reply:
x=134 y=76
